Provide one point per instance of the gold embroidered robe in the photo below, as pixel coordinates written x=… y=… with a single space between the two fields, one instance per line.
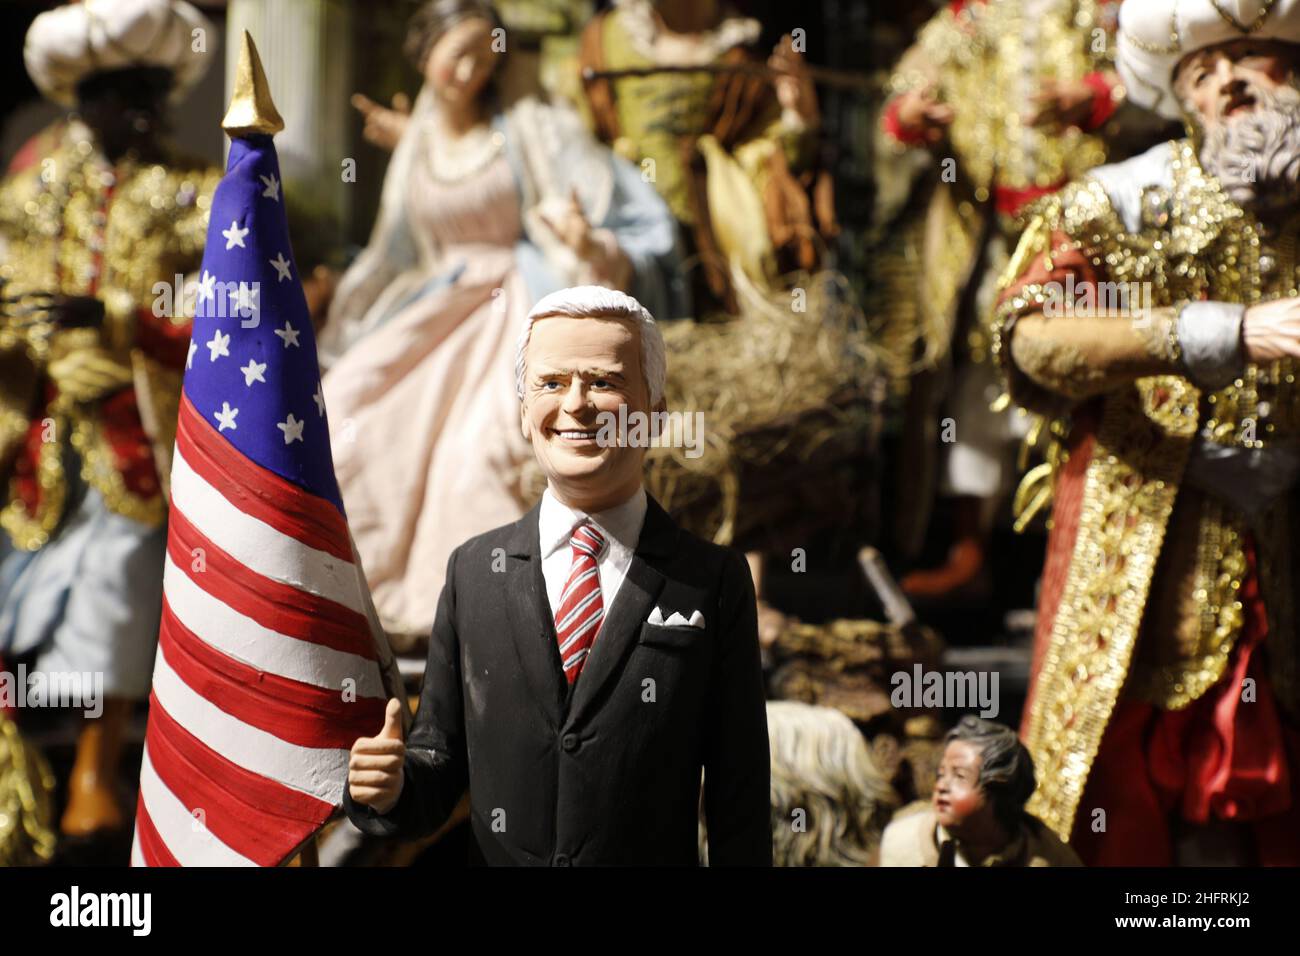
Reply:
x=1140 y=588
x=986 y=59
x=74 y=224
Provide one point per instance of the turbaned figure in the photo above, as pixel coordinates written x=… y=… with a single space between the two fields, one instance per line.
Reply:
x=1154 y=319
x=96 y=226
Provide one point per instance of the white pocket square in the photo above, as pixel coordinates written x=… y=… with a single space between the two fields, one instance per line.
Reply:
x=675 y=619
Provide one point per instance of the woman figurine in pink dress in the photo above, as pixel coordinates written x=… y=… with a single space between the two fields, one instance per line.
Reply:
x=486 y=207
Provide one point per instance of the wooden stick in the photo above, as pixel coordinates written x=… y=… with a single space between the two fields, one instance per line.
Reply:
x=845 y=79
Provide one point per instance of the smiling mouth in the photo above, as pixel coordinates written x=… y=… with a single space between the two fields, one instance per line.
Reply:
x=575 y=434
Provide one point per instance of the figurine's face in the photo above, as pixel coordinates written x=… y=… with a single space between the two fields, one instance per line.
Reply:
x=957 y=794
x=1224 y=81
x=125 y=108
x=575 y=370
x=461 y=61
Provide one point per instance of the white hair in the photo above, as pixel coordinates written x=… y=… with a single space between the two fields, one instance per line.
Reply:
x=598 y=302
x=822 y=772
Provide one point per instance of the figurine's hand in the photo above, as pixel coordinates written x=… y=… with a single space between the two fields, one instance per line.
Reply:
x=384 y=127
x=794 y=88
x=921 y=115
x=1062 y=103
x=571 y=226
x=1271 y=330
x=89 y=373
x=375 y=775
x=603 y=261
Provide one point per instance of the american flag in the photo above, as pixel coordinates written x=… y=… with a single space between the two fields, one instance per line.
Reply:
x=266 y=669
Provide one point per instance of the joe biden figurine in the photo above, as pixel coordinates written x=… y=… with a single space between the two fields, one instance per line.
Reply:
x=593 y=669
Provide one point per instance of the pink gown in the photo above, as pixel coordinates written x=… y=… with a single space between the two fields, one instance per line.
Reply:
x=430 y=394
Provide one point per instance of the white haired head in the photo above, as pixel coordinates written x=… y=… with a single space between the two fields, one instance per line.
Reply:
x=598 y=302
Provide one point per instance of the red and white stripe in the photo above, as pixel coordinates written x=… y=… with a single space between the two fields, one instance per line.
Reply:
x=266 y=670
x=581 y=606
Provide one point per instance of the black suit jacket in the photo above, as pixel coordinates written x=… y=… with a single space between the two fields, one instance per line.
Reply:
x=609 y=771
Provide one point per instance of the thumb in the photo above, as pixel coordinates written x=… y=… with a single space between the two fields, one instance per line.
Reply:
x=401 y=103
x=392 y=721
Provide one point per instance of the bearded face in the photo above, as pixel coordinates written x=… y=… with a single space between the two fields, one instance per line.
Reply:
x=1255 y=154
x=1245 y=98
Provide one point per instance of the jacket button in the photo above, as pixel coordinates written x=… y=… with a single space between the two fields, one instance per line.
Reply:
x=569 y=742
x=561 y=860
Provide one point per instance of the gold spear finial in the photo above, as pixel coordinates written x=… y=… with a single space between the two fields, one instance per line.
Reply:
x=251 y=109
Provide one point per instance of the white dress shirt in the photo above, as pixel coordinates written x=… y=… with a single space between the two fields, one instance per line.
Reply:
x=621 y=526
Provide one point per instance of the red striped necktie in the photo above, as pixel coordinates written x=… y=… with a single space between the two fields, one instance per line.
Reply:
x=581 y=608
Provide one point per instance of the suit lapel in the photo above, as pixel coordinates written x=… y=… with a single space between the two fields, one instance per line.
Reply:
x=531 y=625
x=622 y=626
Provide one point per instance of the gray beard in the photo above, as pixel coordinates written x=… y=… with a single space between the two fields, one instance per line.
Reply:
x=1256 y=156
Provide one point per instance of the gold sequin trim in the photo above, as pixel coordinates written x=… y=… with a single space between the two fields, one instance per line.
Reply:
x=1175 y=41
x=28 y=532
x=1220 y=566
x=1129 y=493
x=27 y=784
x=1265 y=9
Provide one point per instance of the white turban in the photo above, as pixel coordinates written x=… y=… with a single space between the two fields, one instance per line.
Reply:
x=1155 y=35
x=69 y=43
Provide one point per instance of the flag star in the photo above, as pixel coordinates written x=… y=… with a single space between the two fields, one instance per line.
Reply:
x=226 y=417
x=292 y=429
x=243 y=298
x=253 y=372
x=189 y=359
x=281 y=265
x=288 y=334
x=234 y=235
x=272 y=190
x=207 y=286
x=219 y=345
x=320 y=400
